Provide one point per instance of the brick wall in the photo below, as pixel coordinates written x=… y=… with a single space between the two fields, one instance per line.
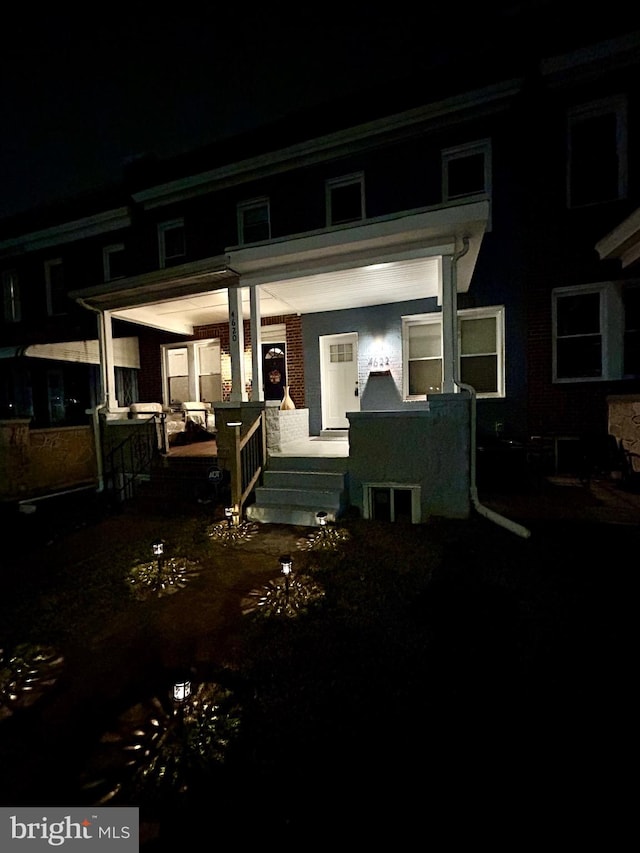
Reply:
x=295 y=354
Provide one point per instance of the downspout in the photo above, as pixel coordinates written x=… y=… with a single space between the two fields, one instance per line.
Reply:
x=482 y=510
x=101 y=404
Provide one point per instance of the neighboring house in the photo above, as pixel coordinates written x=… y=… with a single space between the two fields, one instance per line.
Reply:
x=392 y=269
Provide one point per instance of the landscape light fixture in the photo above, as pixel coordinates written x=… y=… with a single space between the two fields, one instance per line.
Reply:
x=321 y=518
x=181 y=690
x=285 y=565
x=228 y=511
x=158 y=551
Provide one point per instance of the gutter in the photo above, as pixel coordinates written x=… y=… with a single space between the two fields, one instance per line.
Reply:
x=480 y=508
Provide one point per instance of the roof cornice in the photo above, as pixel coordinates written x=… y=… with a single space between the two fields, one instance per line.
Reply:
x=68 y=232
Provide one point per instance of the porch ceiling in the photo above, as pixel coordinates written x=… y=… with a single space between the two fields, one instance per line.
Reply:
x=374 y=284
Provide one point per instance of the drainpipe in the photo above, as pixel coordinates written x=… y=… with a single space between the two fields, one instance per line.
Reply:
x=490 y=514
x=95 y=416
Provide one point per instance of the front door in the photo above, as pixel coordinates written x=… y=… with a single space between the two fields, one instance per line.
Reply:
x=274 y=370
x=339 y=379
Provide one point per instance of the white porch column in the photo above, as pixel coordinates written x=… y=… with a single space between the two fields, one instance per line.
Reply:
x=449 y=324
x=236 y=345
x=107 y=363
x=257 y=389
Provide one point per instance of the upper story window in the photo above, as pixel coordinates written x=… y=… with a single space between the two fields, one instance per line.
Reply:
x=481 y=359
x=597 y=152
x=55 y=286
x=254 y=221
x=466 y=170
x=596 y=332
x=113 y=261
x=171 y=242
x=12 y=312
x=345 y=199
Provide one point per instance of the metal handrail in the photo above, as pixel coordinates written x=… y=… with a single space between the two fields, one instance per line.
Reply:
x=127 y=461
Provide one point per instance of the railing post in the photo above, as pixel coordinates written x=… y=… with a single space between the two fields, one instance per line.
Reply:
x=235 y=468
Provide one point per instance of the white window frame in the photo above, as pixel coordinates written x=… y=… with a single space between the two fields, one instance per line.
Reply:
x=344 y=181
x=163 y=227
x=497 y=312
x=252 y=204
x=367 y=501
x=48 y=266
x=107 y=251
x=459 y=152
x=11 y=297
x=593 y=109
x=612 y=328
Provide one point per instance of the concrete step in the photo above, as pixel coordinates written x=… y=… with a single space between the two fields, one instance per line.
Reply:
x=303 y=516
x=334 y=434
x=318 y=498
x=313 y=480
x=294 y=495
x=308 y=463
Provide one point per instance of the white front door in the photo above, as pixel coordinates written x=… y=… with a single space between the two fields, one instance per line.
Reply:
x=339 y=379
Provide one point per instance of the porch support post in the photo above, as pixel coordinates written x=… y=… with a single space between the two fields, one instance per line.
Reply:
x=107 y=365
x=449 y=324
x=236 y=345
x=257 y=389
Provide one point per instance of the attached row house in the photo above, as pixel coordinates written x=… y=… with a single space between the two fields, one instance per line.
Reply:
x=445 y=275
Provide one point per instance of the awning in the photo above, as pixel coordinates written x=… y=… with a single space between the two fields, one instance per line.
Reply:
x=125 y=350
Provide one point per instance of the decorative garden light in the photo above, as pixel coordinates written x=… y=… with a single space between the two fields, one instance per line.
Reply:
x=321 y=518
x=285 y=566
x=228 y=511
x=158 y=551
x=181 y=690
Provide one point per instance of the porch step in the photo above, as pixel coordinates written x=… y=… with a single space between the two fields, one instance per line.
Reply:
x=296 y=493
x=334 y=435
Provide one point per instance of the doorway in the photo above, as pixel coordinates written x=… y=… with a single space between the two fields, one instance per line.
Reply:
x=274 y=370
x=339 y=379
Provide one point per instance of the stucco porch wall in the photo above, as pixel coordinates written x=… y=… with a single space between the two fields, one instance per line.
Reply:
x=424 y=445
x=38 y=462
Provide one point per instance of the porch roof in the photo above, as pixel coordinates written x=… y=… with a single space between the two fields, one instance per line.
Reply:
x=623 y=243
x=380 y=261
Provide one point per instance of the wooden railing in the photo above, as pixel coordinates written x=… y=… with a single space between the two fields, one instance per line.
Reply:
x=246 y=462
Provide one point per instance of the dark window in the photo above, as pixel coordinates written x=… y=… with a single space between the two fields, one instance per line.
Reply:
x=346 y=203
x=253 y=224
x=597 y=153
x=466 y=175
x=579 y=339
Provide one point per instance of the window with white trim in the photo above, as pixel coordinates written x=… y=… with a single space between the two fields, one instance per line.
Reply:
x=466 y=170
x=344 y=199
x=254 y=221
x=597 y=152
x=12 y=311
x=596 y=332
x=397 y=502
x=55 y=287
x=171 y=242
x=481 y=358
x=113 y=262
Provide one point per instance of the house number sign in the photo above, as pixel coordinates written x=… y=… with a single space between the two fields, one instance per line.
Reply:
x=234 y=327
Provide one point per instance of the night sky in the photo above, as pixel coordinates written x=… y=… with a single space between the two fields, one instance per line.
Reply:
x=80 y=95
